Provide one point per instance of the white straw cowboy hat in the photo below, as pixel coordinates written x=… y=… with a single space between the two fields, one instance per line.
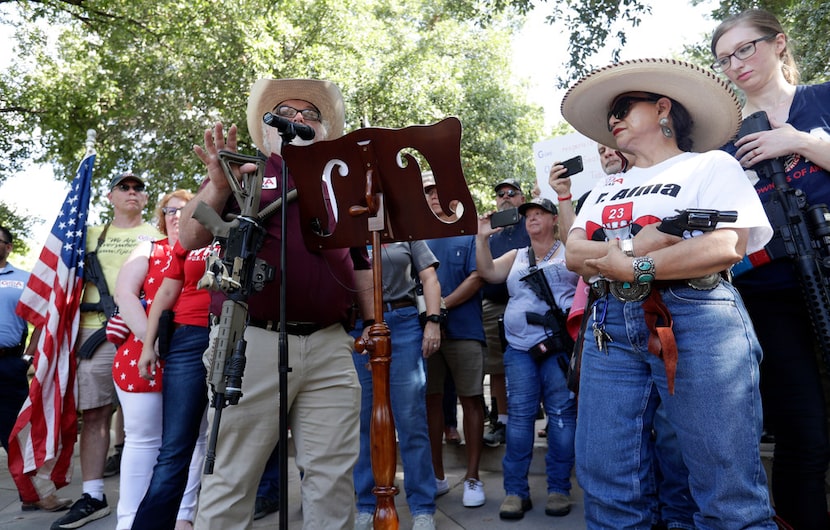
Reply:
x=713 y=106
x=268 y=93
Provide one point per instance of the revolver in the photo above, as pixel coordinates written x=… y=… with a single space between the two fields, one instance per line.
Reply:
x=695 y=219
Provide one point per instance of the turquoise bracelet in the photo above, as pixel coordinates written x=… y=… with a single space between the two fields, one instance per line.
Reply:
x=643 y=269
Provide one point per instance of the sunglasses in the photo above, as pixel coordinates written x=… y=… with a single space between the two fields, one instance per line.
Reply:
x=509 y=193
x=127 y=187
x=169 y=210
x=622 y=106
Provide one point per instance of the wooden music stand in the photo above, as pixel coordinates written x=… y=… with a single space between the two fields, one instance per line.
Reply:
x=366 y=188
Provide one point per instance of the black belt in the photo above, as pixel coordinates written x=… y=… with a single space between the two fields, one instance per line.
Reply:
x=292 y=328
x=14 y=351
x=398 y=304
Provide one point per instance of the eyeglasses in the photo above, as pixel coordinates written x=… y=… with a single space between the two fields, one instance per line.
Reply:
x=169 y=210
x=509 y=193
x=746 y=51
x=289 y=112
x=623 y=106
x=127 y=187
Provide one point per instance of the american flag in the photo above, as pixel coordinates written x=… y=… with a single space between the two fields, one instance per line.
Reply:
x=44 y=435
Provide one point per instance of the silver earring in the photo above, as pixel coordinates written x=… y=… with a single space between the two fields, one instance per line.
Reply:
x=664 y=126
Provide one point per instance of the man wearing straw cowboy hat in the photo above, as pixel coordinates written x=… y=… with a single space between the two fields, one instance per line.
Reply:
x=666 y=326
x=323 y=390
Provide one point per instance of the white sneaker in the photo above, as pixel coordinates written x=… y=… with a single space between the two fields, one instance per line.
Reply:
x=364 y=521
x=423 y=521
x=442 y=486
x=473 y=493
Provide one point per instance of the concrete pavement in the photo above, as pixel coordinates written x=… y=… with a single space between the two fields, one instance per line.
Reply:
x=450 y=515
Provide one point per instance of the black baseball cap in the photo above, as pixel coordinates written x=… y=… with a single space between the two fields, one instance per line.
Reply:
x=508 y=182
x=539 y=202
x=127 y=175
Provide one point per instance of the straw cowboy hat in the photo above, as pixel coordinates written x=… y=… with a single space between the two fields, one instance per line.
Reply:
x=268 y=93
x=713 y=106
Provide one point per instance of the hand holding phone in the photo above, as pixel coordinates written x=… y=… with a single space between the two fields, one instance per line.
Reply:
x=572 y=166
x=504 y=218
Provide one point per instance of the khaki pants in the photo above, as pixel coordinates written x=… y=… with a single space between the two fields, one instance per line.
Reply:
x=323 y=404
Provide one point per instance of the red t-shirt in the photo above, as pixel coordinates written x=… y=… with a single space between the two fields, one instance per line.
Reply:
x=191 y=307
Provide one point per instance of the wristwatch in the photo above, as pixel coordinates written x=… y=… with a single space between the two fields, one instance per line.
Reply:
x=627 y=246
x=434 y=318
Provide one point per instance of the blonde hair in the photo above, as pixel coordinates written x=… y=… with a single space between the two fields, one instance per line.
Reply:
x=767 y=24
x=182 y=194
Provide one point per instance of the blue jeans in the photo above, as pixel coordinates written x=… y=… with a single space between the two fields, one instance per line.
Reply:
x=407 y=385
x=675 y=506
x=527 y=383
x=269 y=483
x=715 y=411
x=184 y=404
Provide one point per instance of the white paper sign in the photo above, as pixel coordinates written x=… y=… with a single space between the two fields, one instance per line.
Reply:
x=548 y=152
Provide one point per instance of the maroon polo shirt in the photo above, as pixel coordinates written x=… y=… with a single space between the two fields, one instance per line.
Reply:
x=320 y=285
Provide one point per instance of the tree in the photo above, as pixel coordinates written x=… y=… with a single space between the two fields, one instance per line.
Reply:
x=19 y=225
x=592 y=24
x=151 y=76
x=807 y=23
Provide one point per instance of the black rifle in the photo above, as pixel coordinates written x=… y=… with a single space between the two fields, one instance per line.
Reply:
x=554 y=319
x=106 y=303
x=238 y=273
x=95 y=274
x=802 y=233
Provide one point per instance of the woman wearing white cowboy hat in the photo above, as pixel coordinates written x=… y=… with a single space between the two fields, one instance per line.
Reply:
x=665 y=325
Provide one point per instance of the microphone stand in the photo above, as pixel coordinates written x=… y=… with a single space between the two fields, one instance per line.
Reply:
x=287 y=136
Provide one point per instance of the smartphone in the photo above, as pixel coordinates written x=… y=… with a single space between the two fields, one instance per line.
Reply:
x=572 y=166
x=504 y=218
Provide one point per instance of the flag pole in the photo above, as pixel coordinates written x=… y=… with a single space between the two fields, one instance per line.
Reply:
x=91 y=136
x=44 y=436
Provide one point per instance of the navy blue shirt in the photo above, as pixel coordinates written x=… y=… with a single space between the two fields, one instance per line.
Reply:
x=809 y=112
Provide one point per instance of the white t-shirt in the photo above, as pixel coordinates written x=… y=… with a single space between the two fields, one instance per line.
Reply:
x=624 y=203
